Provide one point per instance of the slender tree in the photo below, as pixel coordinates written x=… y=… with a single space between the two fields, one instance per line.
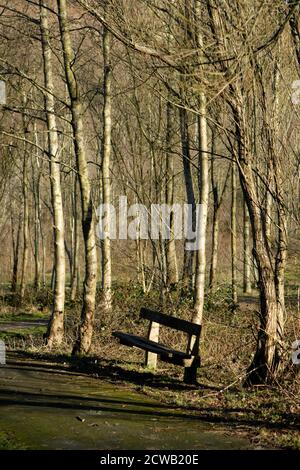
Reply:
x=55 y=331
x=106 y=157
x=25 y=211
x=233 y=235
x=84 y=338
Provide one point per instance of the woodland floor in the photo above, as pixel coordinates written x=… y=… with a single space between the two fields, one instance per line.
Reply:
x=107 y=401
x=45 y=405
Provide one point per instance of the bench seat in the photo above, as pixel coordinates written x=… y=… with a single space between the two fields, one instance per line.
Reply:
x=189 y=359
x=165 y=353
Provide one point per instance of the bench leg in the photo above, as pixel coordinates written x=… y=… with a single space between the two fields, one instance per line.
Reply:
x=150 y=360
x=190 y=373
x=153 y=335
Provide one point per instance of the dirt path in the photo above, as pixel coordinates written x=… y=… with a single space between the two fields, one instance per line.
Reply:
x=44 y=406
x=17 y=325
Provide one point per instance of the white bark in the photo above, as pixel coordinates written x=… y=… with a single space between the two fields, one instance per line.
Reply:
x=55 y=330
x=106 y=183
x=84 y=338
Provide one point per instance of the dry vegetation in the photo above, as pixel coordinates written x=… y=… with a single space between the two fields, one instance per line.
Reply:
x=268 y=415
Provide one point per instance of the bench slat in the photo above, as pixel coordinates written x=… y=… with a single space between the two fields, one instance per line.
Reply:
x=148 y=345
x=171 y=322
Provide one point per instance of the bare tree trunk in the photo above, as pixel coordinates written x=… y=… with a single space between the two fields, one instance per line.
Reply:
x=106 y=184
x=141 y=263
x=267 y=359
x=84 y=338
x=191 y=372
x=280 y=266
x=16 y=249
x=214 y=250
x=37 y=228
x=247 y=253
x=55 y=331
x=233 y=237
x=215 y=223
x=43 y=256
x=185 y=142
x=25 y=217
x=74 y=280
x=171 y=259
x=202 y=222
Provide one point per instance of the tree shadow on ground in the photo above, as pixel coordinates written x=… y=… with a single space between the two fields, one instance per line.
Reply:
x=112 y=371
x=120 y=407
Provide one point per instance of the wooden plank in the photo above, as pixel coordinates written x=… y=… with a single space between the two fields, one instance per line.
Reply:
x=171 y=322
x=153 y=335
x=147 y=345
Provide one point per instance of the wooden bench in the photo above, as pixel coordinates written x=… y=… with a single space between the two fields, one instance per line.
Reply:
x=189 y=358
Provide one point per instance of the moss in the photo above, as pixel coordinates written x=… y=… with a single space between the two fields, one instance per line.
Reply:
x=22 y=333
x=23 y=316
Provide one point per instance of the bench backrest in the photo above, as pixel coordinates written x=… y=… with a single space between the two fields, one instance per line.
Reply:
x=171 y=322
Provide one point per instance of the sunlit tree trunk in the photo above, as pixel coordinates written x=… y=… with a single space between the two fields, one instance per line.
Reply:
x=215 y=222
x=37 y=227
x=202 y=222
x=247 y=252
x=185 y=143
x=199 y=290
x=55 y=331
x=171 y=258
x=84 y=338
x=266 y=362
x=16 y=250
x=25 y=214
x=75 y=266
x=106 y=183
x=233 y=237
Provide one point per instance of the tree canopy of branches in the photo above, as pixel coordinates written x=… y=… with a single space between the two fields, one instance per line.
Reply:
x=164 y=102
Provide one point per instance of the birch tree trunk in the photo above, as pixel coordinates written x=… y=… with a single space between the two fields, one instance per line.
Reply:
x=37 y=227
x=190 y=372
x=233 y=237
x=74 y=280
x=202 y=222
x=16 y=250
x=106 y=184
x=215 y=223
x=171 y=259
x=55 y=331
x=185 y=143
x=247 y=253
x=25 y=216
x=84 y=337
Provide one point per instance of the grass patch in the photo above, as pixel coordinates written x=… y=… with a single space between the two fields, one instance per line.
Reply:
x=10 y=317
x=8 y=442
x=288 y=441
x=22 y=333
